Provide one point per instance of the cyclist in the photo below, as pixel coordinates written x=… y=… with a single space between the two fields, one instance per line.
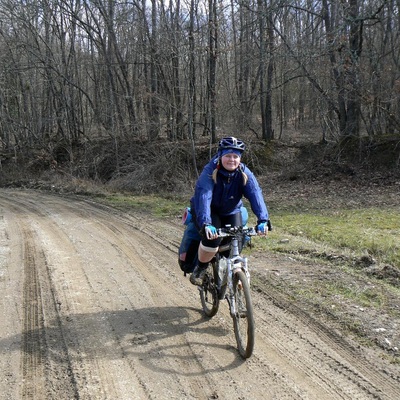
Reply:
x=217 y=199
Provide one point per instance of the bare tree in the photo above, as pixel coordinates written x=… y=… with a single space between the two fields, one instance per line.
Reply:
x=212 y=69
x=192 y=84
x=266 y=27
x=71 y=70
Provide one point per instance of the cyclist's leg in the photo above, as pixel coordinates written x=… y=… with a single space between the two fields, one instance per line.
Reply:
x=232 y=220
x=205 y=255
x=207 y=250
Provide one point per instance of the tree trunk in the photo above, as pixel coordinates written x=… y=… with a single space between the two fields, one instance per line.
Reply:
x=212 y=67
x=154 y=117
x=192 y=87
x=269 y=132
x=266 y=28
x=355 y=46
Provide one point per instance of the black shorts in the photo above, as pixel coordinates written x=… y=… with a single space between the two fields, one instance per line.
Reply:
x=219 y=222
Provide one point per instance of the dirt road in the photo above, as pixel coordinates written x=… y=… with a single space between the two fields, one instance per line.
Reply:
x=94 y=306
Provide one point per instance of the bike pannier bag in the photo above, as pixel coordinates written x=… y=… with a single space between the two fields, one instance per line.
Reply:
x=189 y=246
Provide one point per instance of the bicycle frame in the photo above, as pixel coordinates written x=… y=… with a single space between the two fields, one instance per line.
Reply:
x=234 y=263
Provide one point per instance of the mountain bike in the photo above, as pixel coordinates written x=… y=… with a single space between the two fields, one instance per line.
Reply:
x=228 y=277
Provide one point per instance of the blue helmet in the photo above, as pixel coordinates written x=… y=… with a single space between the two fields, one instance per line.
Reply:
x=231 y=143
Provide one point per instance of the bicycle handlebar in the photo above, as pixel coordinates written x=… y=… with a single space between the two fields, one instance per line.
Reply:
x=236 y=230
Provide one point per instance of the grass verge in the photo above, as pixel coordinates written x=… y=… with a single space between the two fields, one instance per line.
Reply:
x=368 y=234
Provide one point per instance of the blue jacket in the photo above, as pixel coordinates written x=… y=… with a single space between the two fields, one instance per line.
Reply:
x=225 y=197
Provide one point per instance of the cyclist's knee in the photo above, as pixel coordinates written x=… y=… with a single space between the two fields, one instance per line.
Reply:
x=206 y=253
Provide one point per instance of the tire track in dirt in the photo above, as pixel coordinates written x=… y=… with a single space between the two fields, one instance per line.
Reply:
x=41 y=375
x=33 y=341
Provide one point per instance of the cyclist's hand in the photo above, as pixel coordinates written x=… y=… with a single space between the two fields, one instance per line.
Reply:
x=262 y=229
x=211 y=232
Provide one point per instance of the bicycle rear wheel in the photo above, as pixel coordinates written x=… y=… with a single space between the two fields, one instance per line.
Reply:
x=209 y=293
x=243 y=320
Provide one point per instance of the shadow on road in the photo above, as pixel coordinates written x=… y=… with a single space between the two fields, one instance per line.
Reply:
x=155 y=337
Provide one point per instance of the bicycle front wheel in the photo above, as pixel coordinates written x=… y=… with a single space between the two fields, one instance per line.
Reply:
x=209 y=293
x=243 y=320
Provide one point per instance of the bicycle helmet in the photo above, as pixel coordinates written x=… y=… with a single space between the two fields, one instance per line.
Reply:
x=231 y=143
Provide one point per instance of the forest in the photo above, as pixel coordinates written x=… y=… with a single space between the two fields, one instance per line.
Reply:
x=119 y=76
